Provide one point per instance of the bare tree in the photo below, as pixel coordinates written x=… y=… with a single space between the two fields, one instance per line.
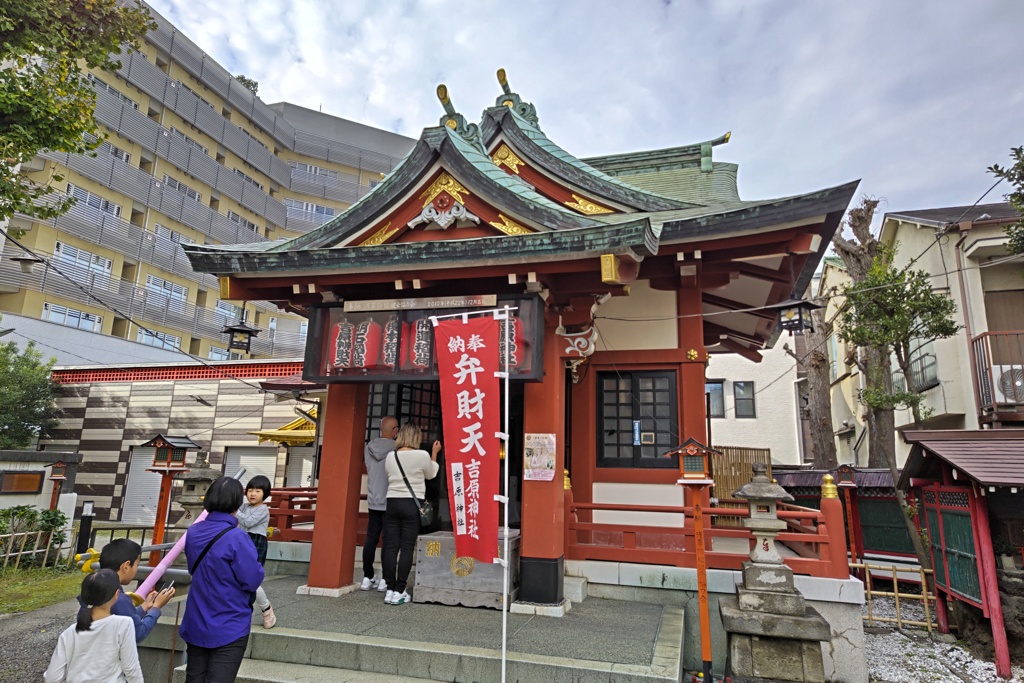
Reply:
x=858 y=255
x=814 y=362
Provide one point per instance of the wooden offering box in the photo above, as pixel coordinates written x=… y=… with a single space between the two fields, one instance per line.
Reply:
x=443 y=577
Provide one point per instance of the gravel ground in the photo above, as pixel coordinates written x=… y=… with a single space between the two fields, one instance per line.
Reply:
x=910 y=656
x=27 y=640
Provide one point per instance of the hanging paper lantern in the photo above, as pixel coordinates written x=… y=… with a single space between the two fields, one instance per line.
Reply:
x=367 y=344
x=342 y=342
x=421 y=344
x=407 y=333
x=390 y=350
x=515 y=349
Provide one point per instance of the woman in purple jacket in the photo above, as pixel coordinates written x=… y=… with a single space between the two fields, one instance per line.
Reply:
x=225 y=576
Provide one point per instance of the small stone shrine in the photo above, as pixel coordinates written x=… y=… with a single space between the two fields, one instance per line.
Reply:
x=196 y=482
x=773 y=634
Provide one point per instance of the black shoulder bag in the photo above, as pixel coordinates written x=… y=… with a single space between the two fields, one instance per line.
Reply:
x=209 y=545
x=426 y=507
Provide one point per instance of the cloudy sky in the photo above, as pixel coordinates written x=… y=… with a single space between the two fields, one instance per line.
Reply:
x=915 y=98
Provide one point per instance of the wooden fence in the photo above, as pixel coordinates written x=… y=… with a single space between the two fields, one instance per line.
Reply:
x=28 y=545
x=733 y=469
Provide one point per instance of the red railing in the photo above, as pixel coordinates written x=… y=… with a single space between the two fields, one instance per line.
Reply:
x=293 y=510
x=816 y=536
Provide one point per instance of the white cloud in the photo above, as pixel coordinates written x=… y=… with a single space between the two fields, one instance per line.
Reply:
x=915 y=98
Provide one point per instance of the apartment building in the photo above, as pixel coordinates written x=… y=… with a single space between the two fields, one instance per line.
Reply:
x=973 y=380
x=192 y=156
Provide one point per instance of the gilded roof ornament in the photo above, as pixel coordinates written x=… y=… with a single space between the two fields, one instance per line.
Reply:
x=514 y=102
x=585 y=206
x=506 y=157
x=444 y=183
x=509 y=226
x=456 y=121
x=380 y=237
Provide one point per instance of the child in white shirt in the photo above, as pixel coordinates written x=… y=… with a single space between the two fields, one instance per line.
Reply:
x=100 y=647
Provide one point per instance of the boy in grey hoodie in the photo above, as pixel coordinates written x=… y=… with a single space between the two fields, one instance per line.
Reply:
x=376 y=497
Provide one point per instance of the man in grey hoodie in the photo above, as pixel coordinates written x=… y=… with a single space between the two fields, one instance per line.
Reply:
x=376 y=497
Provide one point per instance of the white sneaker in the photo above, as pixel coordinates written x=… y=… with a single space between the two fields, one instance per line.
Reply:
x=401 y=598
x=388 y=596
x=367 y=584
x=381 y=586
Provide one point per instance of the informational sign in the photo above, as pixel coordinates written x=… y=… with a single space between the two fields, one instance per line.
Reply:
x=420 y=303
x=539 y=457
x=636 y=432
x=467 y=360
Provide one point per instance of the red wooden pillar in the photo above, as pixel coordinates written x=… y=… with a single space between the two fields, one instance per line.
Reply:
x=692 y=404
x=332 y=558
x=990 y=584
x=163 y=503
x=542 y=563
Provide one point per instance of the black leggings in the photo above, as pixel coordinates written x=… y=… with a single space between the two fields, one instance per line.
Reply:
x=401 y=527
x=374 y=527
x=215 y=664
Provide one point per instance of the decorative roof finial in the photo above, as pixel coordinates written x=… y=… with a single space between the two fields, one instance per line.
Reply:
x=514 y=102
x=456 y=121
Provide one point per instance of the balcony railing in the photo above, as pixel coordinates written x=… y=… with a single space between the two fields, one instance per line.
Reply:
x=998 y=359
x=923 y=374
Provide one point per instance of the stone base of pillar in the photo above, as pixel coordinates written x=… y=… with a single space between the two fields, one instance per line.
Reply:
x=542 y=580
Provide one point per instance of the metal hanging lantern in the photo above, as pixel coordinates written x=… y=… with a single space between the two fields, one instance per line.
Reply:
x=795 y=315
x=241 y=336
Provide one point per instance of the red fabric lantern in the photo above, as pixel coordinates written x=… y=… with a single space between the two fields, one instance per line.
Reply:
x=366 y=353
x=342 y=342
x=390 y=352
x=516 y=350
x=421 y=344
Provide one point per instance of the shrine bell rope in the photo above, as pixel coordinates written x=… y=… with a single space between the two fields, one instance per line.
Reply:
x=504 y=316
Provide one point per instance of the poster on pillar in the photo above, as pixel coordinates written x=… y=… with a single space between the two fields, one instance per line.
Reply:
x=467 y=359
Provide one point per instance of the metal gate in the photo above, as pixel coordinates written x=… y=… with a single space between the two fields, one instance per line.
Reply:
x=948 y=511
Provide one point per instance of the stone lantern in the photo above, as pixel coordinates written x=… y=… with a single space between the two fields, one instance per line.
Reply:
x=772 y=633
x=764 y=523
x=196 y=483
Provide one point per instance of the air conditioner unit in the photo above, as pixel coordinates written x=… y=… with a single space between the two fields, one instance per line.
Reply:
x=1009 y=383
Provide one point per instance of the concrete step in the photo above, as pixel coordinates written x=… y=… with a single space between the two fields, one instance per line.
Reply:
x=386 y=657
x=253 y=671
x=575 y=589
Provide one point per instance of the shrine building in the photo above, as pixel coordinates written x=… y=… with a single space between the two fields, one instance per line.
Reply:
x=624 y=273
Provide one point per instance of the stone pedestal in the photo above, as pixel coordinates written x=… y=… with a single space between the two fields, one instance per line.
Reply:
x=773 y=634
x=443 y=577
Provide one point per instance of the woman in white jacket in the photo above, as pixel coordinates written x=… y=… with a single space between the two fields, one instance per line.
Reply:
x=402 y=518
x=100 y=647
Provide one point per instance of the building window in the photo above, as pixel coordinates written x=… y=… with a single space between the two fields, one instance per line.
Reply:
x=160 y=291
x=217 y=353
x=100 y=85
x=119 y=153
x=159 y=340
x=715 y=389
x=228 y=311
x=165 y=235
x=254 y=138
x=86 y=198
x=303 y=329
x=182 y=188
x=743 y=395
x=311 y=169
x=19 y=481
x=80 y=258
x=833 y=357
x=252 y=181
x=373 y=183
x=272 y=324
x=69 y=317
x=308 y=211
x=637 y=419
x=198 y=97
x=235 y=218
x=188 y=141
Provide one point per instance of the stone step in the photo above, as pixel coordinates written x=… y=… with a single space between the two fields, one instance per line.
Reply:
x=386 y=657
x=253 y=671
x=575 y=589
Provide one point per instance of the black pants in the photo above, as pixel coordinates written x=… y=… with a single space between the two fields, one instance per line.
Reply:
x=374 y=527
x=401 y=527
x=215 y=664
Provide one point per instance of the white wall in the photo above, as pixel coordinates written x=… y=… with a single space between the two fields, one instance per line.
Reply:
x=72 y=347
x=40 y=500
x=775 y=404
